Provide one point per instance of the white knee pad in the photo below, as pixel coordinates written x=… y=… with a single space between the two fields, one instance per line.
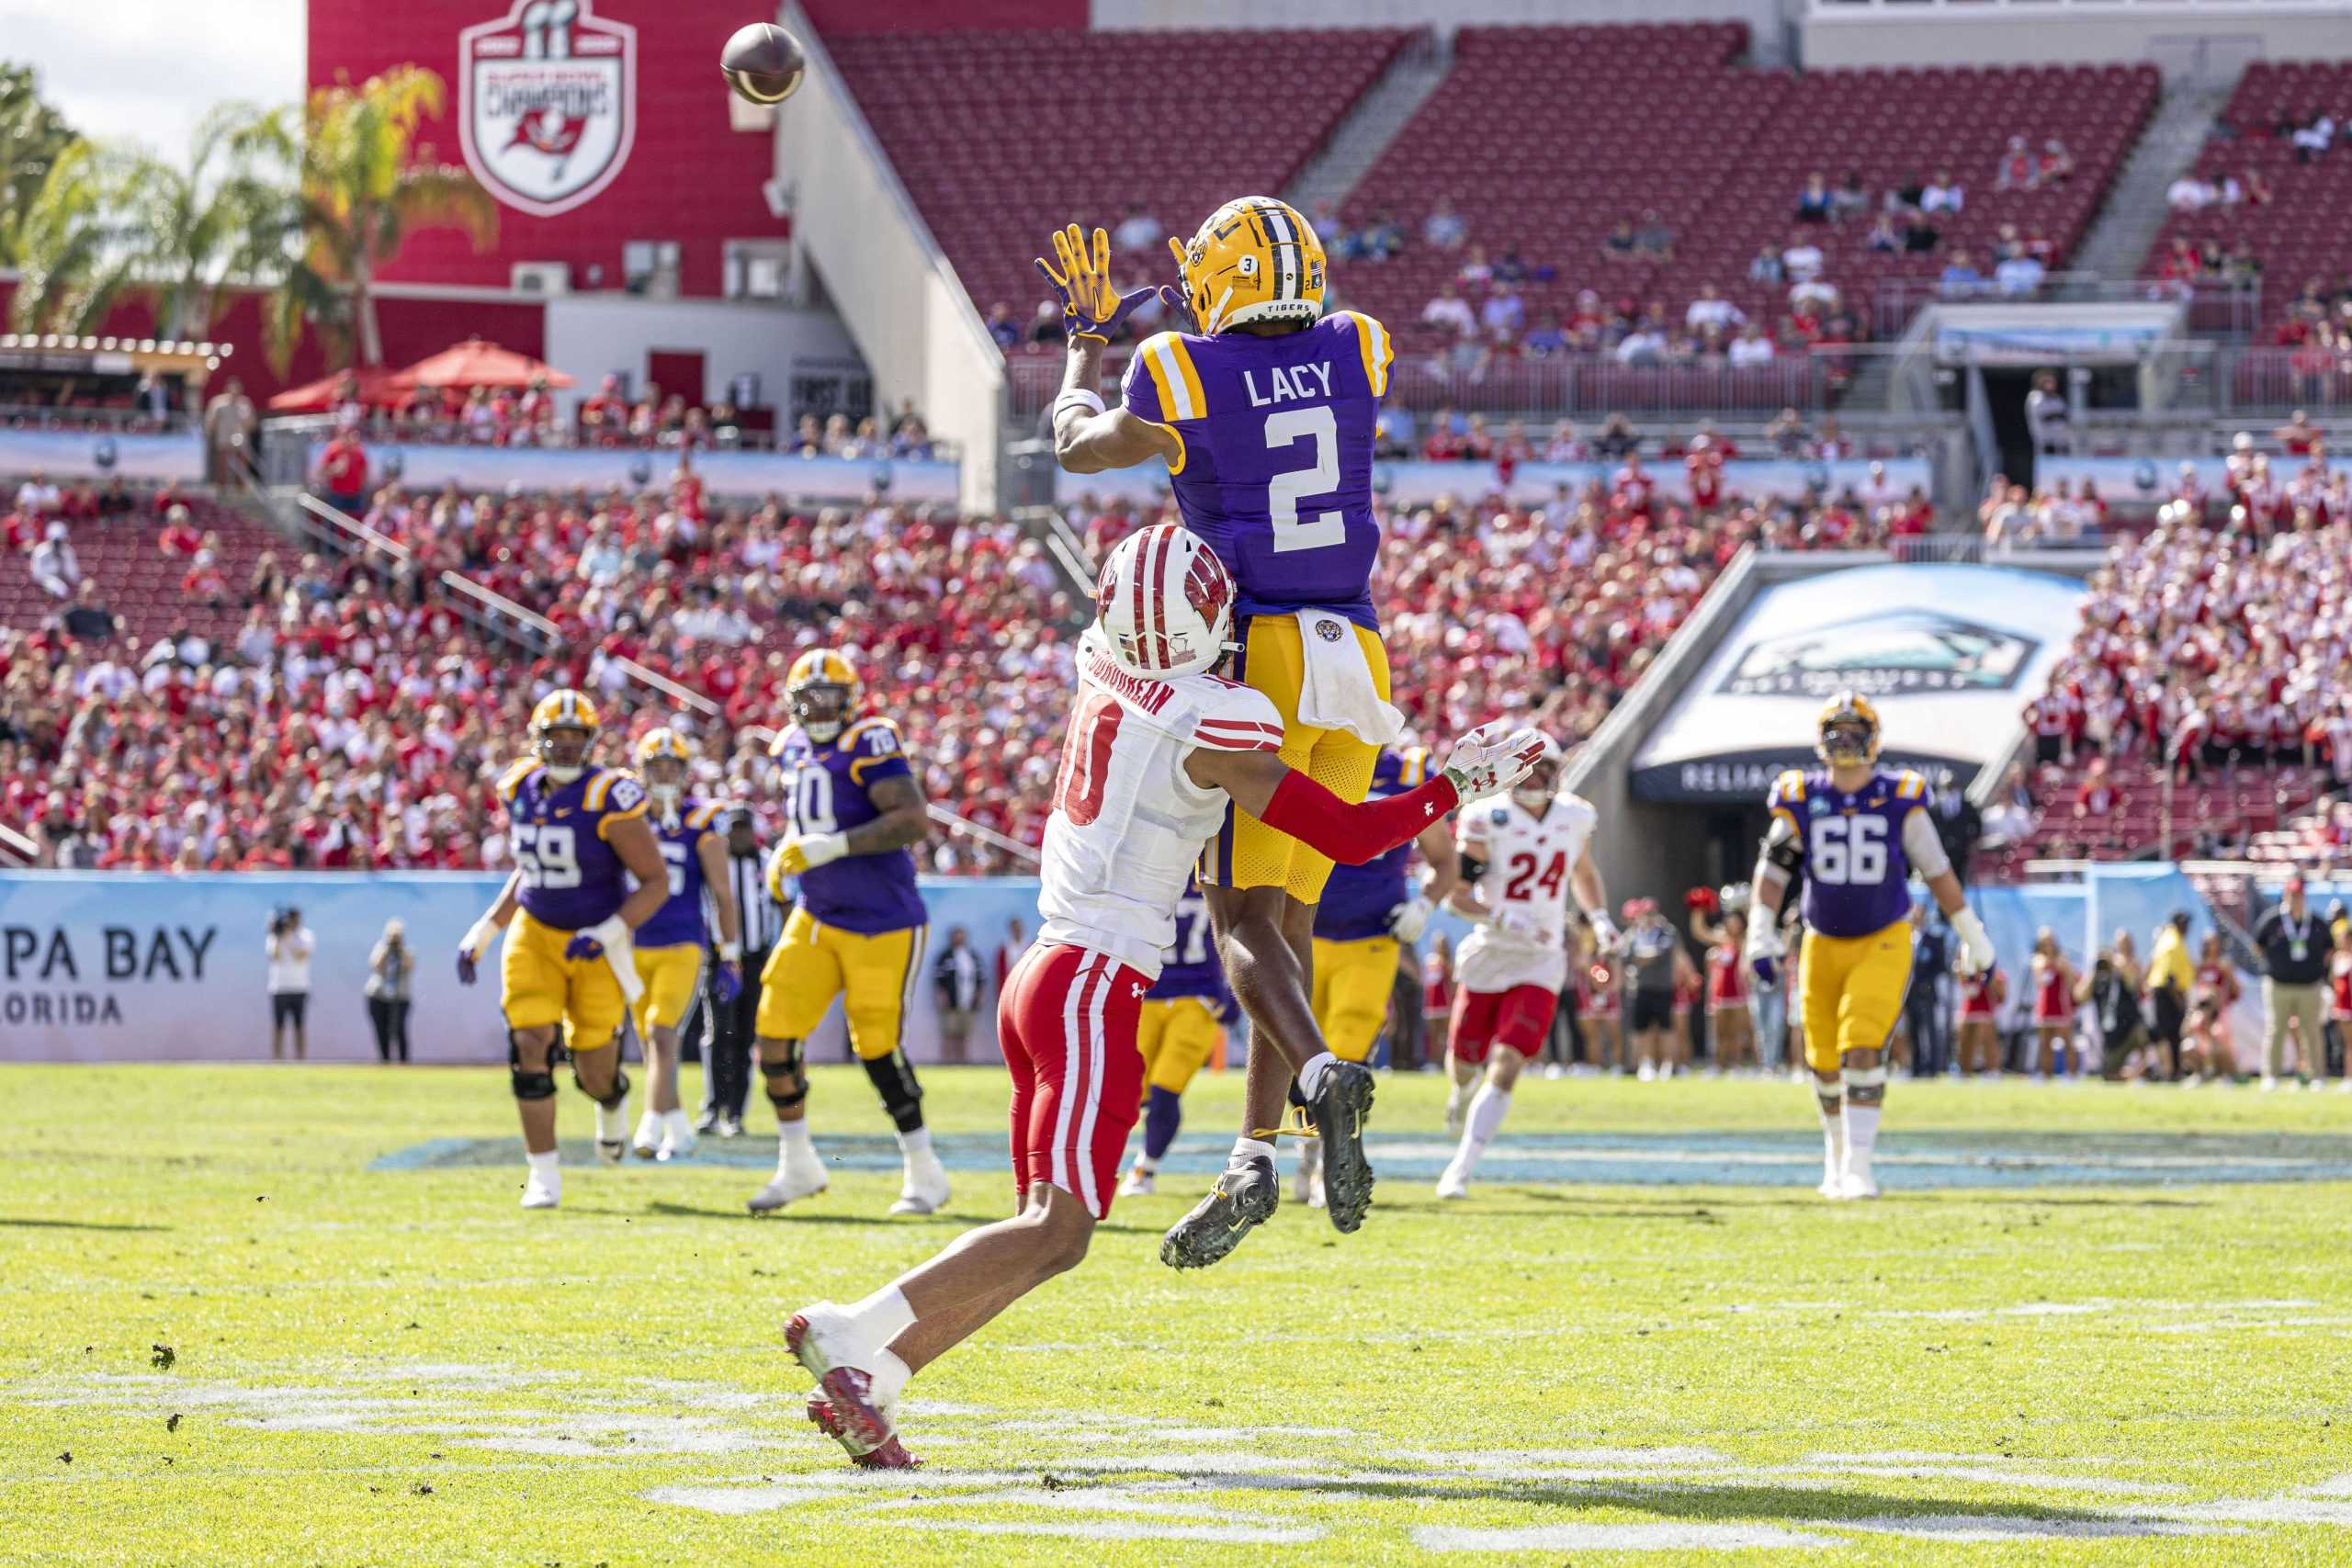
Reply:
x=1872 y=1079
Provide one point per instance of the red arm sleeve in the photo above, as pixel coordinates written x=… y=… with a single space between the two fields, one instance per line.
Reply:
x=1354 y=834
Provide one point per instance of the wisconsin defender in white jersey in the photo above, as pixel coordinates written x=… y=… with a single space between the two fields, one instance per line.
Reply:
x=1521 y=856
x=1155 y=751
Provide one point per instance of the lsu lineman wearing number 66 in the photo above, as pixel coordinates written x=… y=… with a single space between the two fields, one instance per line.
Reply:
x=1858 y=832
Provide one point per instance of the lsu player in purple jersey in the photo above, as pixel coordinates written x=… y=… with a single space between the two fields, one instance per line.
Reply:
x=670 y=946
x=587 y=873
x=1263 y=414
x=1177 y=1030
x=1367 y=915
x=856 y=928
x=1859 y=832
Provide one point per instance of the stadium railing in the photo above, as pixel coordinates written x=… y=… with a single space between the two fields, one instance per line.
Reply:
x=2232 y=310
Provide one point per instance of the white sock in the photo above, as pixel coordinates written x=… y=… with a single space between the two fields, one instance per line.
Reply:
x=882 y=1316
x=1249 y=1148
x=1145 y=1164
x=915 y=1145
x=1310 y=1076
x=793 y=1143
x=544 y=1165
x=675 y=1120
x=1862 y=1133
x=1486 y=1112
x=1833 y=1137
x=886 y=1377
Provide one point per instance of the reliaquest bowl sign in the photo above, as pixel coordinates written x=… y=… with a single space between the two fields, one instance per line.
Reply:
x=1950 y=653
x=547 y=104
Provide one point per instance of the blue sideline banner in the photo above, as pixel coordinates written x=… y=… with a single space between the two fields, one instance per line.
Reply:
x=497 y=469
x=107 y=967
x=101 y=454
x=1417 y=483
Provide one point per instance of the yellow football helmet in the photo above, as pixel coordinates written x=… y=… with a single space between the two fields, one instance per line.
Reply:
x=1256 y=259
x=664 y=746
x=823 y=690
x=561 y=714
x=1848 y=731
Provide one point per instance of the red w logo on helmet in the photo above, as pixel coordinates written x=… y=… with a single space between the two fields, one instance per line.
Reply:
x=1207 y=586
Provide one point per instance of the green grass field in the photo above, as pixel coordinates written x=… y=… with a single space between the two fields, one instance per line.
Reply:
x=294 y=1315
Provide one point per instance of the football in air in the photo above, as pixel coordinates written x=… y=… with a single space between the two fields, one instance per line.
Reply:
x=762 y=62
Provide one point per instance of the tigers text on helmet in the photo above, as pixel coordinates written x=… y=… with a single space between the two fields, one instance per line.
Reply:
x=560 y=713
x=1849 y=727
x=1164 y=603
x=821 y=691
x=1543 y=779
x=662 y=746
x=1256 y=259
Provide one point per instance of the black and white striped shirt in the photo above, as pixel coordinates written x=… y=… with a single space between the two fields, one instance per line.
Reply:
x=762 y=918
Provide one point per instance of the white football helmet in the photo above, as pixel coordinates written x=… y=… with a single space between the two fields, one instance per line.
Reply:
x=1164 y=603
x=1542 y=777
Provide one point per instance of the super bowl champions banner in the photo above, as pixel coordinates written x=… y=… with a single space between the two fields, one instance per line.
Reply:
x=102 y=454
x=105 y=966
x=1419 y=483
x=497 y=469
x=1950 y=654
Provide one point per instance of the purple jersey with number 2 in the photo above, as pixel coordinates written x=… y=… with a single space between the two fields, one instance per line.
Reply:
x=1276 y=469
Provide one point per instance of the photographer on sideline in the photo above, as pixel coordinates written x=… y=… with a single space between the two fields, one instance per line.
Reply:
x=291 y=944
x=389 y=967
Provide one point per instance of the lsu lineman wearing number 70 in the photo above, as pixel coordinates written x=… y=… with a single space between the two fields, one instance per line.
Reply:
x=1264 y=412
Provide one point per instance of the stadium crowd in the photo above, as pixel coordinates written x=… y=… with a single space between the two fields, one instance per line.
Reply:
x=312 y=709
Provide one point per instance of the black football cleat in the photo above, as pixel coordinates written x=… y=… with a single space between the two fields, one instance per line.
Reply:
x=1340 y=1108
x=1242 y=1200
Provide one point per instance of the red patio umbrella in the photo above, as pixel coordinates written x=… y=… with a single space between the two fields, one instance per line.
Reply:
x=374 y=383
x=475 y=363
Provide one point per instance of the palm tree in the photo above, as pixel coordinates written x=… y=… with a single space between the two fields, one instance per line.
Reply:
x=113 y=223
x=32 y=134
x=359 y=191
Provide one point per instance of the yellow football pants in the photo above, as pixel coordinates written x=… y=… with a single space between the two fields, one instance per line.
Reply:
x=1850 y=992
x=669 y=975
x=539 y=985
x=812 y=964
x=1247 y=853
x=1352 y=982
x=1177 y=1036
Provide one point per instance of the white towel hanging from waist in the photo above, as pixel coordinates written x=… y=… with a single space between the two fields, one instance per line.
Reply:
x=1336 y=690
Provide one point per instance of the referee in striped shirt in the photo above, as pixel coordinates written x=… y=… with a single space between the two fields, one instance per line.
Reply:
x=727 y=1068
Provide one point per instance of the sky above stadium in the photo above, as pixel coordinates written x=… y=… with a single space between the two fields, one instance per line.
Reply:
x=146 y=71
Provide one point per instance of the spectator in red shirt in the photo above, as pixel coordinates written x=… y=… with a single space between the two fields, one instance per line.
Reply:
x=343 y=474
x=179 y=537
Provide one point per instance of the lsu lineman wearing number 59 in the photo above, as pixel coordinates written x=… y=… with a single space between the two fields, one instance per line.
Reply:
x=1263 y=411
x=579 y=835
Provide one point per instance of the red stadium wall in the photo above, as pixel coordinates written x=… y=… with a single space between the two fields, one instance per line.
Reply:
x=685 y=175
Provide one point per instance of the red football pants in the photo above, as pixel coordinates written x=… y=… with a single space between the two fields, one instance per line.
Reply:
x=1519 y=1017
x=1066 y=1023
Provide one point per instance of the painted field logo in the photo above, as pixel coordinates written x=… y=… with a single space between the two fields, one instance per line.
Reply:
x=547 y=104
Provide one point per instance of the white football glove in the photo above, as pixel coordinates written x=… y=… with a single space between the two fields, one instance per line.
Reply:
x=1491 y=759
x=1975 y=947
x=1605 y=930
x=1410 y=918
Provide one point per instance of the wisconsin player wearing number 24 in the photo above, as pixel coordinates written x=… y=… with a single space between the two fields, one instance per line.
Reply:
x=1263 y=414
x=1859 y=832
x=670 y=946
x=857 y=930
x=588 y=871
x=1521 y=856
x=1157 y=748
